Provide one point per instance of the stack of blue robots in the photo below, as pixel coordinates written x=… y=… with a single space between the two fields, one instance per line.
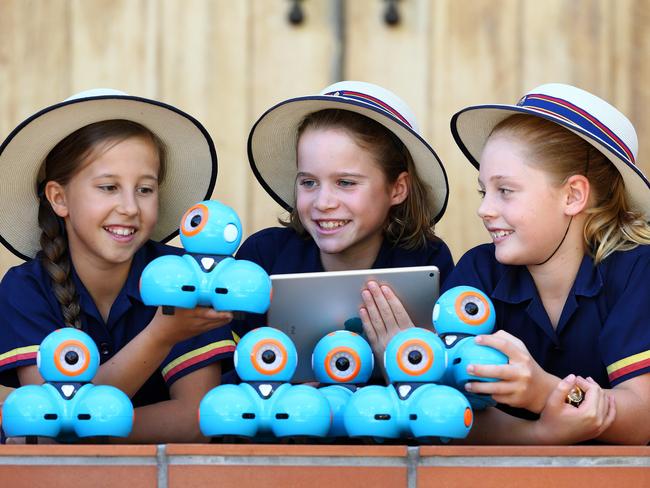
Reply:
x=424 y=400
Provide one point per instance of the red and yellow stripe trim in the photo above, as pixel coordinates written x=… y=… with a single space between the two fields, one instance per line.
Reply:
x=628 y=365
x=18 y=354
x=196 y=356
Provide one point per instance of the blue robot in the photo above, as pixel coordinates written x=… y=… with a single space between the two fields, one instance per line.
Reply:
x=265 y=404
x=208 y=275
x=342 y=360
x=67 y=406
x=460 y=314
x=412 y=405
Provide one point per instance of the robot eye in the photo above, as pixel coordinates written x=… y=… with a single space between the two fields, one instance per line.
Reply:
x=269 y=356
x=230 y=233
x=415 y=357
x=72 y=358
x=342 y=364
x=472 y=308
x=194 y=220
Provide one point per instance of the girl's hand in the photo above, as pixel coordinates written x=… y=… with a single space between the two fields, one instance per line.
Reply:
x=186 y=323
x=562 y=423
x=382 y=316
x=523 y=383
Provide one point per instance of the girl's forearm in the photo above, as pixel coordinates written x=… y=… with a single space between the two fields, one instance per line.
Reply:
x=130 y=368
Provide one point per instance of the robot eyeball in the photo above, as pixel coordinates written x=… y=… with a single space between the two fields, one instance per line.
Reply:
x=415 y=355
x=72 y=358
x=473 y=308
x=265 y=354
x=66 y=354
x=194 y=220
x=342 y=364
x=269 y=356
x=463 y=310
x=342 y=357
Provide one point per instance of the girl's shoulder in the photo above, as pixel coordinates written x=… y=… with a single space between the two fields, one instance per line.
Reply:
x=621 y=266
x=31 y=271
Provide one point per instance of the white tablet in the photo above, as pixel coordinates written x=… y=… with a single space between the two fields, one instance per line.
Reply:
x=307 y=306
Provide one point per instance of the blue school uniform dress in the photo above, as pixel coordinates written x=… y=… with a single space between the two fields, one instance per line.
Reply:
x=29 y=311
x=603 y=330
x=281 y=251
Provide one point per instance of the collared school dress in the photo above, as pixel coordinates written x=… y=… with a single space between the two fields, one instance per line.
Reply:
x=604 y=328
x=281 y=251
x=29 y=311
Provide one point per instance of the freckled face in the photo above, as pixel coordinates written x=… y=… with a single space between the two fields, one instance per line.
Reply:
x=521 y=209
x=342 y=196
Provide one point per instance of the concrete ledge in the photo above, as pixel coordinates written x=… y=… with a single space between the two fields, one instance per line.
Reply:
x=345 y=466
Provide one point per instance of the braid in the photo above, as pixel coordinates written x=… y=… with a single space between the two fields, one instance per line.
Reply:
x=56 y=261
x=60 y=165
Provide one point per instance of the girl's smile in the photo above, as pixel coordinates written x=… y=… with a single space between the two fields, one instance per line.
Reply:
x=110 y=206
x=521 y=209
x=342 y=197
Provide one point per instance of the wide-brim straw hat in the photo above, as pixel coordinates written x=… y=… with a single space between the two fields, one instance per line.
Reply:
x=584 y=114
x=272 y=140
x=190 y=172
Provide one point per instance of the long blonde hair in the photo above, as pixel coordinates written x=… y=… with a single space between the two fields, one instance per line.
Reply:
x=612 y=225
x=410 y=223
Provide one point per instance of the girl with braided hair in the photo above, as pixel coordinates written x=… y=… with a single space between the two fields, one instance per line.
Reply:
x=92 y=188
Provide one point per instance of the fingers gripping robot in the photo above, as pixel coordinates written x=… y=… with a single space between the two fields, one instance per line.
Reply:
x=460 y=314
x=412 y=405
x=341 y=360
x=67 y=406
x=265 y=403
x=207 y=275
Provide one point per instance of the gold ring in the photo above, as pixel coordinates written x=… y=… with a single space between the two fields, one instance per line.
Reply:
x=575 y=396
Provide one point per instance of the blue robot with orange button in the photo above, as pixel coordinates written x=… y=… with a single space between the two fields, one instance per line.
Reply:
x=207 y=275
x=412 y=405
x=67 y=406
x=460 y=314
x=265 y=403
x=341 y=361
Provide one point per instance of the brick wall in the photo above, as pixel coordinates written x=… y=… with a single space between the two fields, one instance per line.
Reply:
x=312 y=466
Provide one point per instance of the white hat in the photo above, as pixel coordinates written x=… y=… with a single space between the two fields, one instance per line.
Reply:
x=584 y=114
x=190 y=172
x=272 y=140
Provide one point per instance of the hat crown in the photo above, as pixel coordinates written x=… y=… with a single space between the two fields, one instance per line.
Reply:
x=587 y=112
x=375 y=96
x=96 y=92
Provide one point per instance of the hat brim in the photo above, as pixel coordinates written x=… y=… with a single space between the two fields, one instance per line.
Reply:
x=190 y=172
x=472 y=126
x=272 y=148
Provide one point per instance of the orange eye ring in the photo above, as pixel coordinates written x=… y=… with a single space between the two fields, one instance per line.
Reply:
x=338 y=350
x=265 y=343
x=198 y=228
x=461 y=313
x=61 y=367
x=414 y=342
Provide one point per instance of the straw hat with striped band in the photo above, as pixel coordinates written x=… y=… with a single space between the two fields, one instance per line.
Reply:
x=190 y=173
x=581 y=112
x=272 y=140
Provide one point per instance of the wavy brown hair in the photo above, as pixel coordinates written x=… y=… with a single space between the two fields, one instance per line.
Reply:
x=60 y=165
x=409 y=224
x=612 y=224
